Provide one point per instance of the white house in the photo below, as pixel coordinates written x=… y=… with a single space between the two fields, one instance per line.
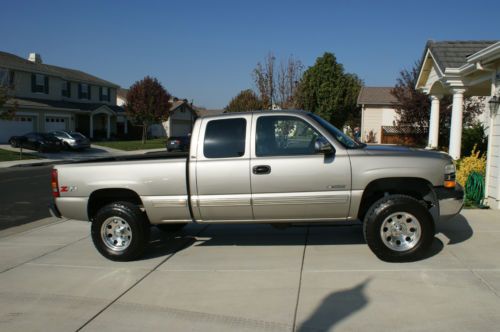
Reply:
x=180 y=121
x=462 y=69
x=377 y=112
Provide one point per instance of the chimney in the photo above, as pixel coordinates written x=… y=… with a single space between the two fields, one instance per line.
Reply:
x=35 y=57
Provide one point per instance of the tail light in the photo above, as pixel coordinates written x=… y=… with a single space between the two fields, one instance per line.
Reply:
x=54 y=183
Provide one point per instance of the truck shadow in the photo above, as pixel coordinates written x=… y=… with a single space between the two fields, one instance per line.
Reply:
x=457 y=230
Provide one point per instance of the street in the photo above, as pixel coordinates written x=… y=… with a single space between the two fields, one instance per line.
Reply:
x=24 y=195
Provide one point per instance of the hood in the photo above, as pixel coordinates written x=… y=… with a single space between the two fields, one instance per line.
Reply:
x=398 y=150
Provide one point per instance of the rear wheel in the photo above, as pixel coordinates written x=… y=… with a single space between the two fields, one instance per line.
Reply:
x=120 y=232
x=398 y=228
x=13 y=143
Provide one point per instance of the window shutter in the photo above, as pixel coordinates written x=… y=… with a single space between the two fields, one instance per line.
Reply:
x=109 y=94
x=100 y=93
x=46 y=84
x=79 y=90
x=89 y=90
x=68 y=86
x=33 y=83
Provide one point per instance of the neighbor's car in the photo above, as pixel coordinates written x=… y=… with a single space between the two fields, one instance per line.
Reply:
x=40 y=142
x=178 y=143
x=72 y=139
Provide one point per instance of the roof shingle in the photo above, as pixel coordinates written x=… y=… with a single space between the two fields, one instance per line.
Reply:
x=371 y=95
x=453 y=54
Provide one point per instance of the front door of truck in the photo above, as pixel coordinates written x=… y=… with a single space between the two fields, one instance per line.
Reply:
x=290 y=181
x=223 y=170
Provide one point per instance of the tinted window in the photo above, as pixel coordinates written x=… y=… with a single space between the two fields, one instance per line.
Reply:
x=284 y=136
x=225 y=138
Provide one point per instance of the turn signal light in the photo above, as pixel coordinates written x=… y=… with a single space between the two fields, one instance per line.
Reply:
x=449 y=184
x=54 y=183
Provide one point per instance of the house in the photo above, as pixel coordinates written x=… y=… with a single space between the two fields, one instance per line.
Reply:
x=377 y=112
x=180 y=122
x=51 y=98
x=463 y=69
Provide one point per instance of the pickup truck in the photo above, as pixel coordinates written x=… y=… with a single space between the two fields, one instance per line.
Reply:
x=275 y=167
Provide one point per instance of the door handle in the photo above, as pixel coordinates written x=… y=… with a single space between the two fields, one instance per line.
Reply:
x=261 y=169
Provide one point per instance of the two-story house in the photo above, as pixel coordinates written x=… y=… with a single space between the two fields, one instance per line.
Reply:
x=54 y=98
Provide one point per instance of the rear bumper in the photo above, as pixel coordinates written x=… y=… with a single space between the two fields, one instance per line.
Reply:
x=451 y=201
x=54 y=211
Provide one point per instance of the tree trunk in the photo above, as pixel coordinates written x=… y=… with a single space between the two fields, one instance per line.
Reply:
x=144 y=132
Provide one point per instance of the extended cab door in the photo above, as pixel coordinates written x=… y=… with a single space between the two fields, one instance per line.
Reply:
x=221 y=167
x=290 y=181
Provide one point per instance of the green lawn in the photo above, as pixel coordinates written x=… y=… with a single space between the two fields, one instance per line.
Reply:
x=158 y=143
x=9 y=155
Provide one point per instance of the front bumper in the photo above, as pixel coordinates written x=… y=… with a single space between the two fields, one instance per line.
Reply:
x=451 y=201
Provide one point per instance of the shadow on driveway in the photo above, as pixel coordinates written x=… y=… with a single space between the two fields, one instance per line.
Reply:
x=336 y=307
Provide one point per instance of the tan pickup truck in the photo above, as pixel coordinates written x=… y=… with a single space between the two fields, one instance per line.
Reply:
x=270 y=167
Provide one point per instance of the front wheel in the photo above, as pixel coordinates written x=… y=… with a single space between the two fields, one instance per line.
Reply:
x=120 y=231
x=398 y=228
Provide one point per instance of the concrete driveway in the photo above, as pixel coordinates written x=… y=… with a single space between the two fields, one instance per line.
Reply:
x=252 y=278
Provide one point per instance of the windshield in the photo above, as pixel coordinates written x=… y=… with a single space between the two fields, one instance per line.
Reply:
x=61 y=134
x=77 y=135
x=338 y=134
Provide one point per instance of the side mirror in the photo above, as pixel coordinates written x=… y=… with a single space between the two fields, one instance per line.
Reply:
x=323 y=146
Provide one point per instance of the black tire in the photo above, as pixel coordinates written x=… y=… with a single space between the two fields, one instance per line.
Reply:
x=13 y=143
x=137 y=226
x=171 y=228
x=381 y=211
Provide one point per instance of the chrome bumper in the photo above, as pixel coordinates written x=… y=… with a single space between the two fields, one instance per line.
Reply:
x=451 y=201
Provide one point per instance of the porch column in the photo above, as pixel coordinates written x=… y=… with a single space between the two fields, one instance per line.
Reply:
x=456 y=123
x=434 y=122
x=91 y=134
x=108 y=128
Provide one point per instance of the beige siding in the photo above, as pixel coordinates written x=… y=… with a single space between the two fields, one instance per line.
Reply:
x=374 y=117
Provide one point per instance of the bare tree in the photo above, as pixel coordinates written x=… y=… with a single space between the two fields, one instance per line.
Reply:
x=264 y=77
x=289 y=75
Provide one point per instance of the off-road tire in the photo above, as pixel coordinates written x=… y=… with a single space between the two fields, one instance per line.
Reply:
x=383 y=209
x=136 y=224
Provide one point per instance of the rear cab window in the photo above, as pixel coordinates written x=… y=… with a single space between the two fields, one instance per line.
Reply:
x=225 y=138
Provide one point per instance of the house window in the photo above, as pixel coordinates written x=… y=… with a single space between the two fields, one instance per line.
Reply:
x=104 y=93
x=6 y=77
x=66 y=89
x=84 y=91
x=39 y=83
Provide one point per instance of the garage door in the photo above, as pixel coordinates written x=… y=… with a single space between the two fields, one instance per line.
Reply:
x=20 y=125
x=55 y=123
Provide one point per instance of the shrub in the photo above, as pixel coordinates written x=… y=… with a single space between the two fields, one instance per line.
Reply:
x=474 y=136
x=473 y=163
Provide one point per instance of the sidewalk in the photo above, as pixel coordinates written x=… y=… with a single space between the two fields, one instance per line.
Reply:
x=96 y=151
x=252 y=278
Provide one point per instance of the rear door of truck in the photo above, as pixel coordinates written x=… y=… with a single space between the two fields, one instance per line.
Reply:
x=220 y=169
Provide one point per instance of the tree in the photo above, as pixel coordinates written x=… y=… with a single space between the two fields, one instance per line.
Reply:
x=6 y=113
x=289 y=75
x=264 y=77
x=327 y=90
x=147 y=103
x=246 y=100
x=413 y=107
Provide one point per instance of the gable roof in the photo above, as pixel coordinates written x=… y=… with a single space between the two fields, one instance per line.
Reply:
x=60 y=104
x=453 y=54
x=11 y=61
x=375 y=95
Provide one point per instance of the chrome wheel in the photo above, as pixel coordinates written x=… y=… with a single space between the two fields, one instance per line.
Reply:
x=400 y=231
x=116 y=233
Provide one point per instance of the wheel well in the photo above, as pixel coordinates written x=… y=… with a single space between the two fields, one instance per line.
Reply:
x=417 y=188
x=102 y=197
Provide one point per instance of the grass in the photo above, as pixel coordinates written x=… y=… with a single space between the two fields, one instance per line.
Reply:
x=157 y=143
x=10 y=155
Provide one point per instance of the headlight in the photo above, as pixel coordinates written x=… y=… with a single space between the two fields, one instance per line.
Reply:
x=449 y=176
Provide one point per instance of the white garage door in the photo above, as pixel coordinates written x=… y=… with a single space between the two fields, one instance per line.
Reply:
x=55 y=123
x=20 y=125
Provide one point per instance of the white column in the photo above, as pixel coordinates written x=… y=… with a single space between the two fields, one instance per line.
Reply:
x=434 y=122
x=91 y=134
x=456 y=123
x=108 y=128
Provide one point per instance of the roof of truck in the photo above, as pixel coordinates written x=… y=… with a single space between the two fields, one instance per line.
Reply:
x=279 y=112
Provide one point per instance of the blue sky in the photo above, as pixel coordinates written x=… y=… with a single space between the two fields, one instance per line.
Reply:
x=206 y=50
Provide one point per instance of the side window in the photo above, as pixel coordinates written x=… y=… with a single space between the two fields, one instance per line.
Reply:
x=225 y=138
x=284 y=136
